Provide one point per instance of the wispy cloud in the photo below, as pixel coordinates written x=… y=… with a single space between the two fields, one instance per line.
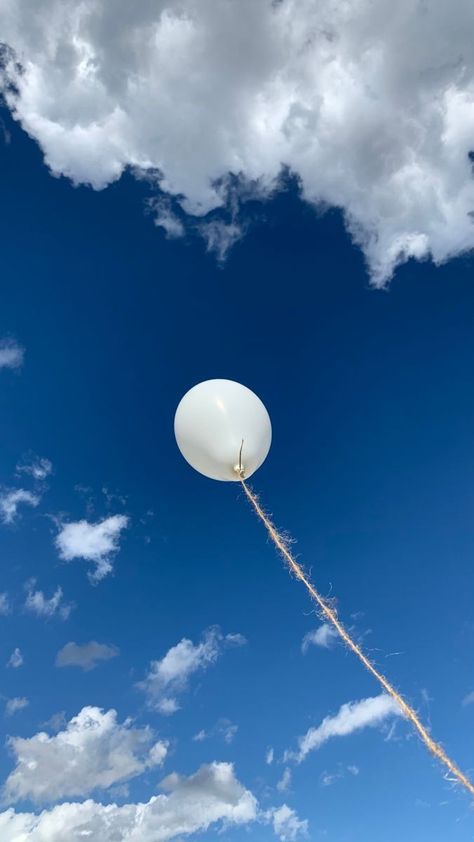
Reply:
x=36 y=467
x=14 y=705
x=5 y=607
x=284 y=783
x=37 y=603
x=168 y=678
x=16 y=659
x=95 y=542
x=11 y=354
x=351 y=717
x=330 y=778
x=223 y=729
x=86 y=656
x=11 y=499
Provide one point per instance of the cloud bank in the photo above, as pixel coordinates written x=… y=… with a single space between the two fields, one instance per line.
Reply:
x=371 y=106
x=189 y=805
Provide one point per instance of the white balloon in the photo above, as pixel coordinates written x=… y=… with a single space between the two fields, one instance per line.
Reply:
x=211 y=422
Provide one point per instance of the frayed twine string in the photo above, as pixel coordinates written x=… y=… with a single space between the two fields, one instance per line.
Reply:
x=281 y=543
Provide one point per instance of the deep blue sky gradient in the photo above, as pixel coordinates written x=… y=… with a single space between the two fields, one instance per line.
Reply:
x=371 y=469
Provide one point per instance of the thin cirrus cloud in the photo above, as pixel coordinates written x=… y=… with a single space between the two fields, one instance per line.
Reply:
x=16 y=659
x=223 y=729
x=167 y=679
x=16 y=704
x=5 y=607
x=86 y=656
x=94 y=542
x=37 y=603
x=351 y=717
x=37 y=467
x=212 y=796
x=94 y=751
x=11 y=354
x=11 y=499
x=341 y=95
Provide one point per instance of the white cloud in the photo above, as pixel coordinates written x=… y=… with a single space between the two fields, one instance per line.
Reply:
x=96 y=542
x=4 y=604
x=38 y=604
x=165 y=218
x=330 y=778
x=16 y=659
x=189 y=805
x=352 y=716
x=11 y=353
x=36 y=467
x=285 y=781
x=269 y=756
x=469 y=699
x=324 y=636
x=16 y=704
x=168 y=678
x=11 y=499
x=86 y=656
x=94 y=751
x=371 y=106
x=223 y=729
x=286 y=824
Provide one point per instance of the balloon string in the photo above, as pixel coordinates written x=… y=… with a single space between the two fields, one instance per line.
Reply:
x=330 y=614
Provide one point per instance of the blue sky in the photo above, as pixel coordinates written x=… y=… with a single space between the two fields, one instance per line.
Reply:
x=105 y=323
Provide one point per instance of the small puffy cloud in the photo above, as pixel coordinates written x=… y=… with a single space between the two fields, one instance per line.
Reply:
x=11 y=499
x=269 y=756
x=86 y=656
x=168 y=678
x=95 y=542
x=5 y=607
x=469 y=699
x=352 y=716
x=324 y=636
x=37 y=603
x=286 y=824
x=11 y=354
x=285 y=781
x=16 y=704
x=193 y=804
x=36 y=467
x=94 y=751
x=16 y=659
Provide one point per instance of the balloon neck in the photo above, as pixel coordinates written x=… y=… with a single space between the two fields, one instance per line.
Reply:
x=239 y=468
